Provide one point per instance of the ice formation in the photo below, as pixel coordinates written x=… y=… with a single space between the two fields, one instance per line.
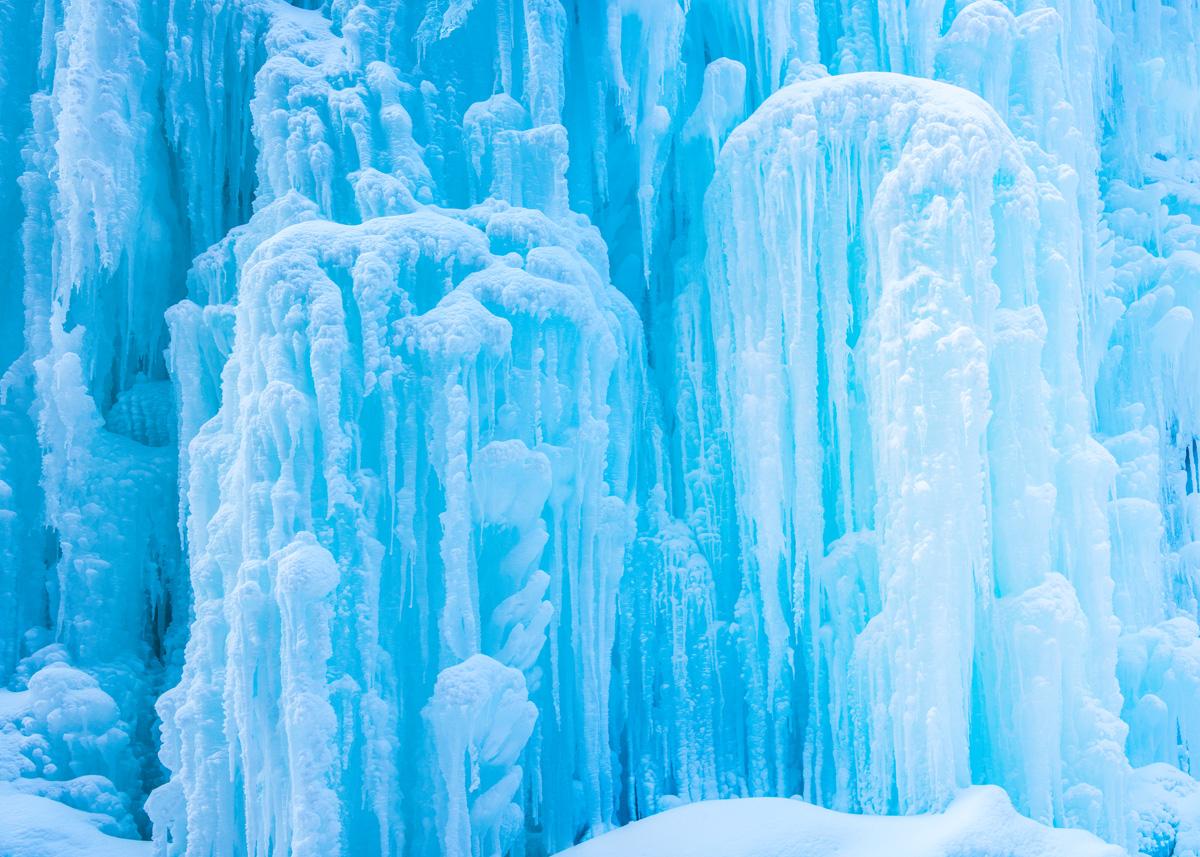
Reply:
x=466 y=427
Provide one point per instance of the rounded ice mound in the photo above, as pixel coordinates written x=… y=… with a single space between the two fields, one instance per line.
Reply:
x=849 y=100
x=846 y=140
x=891 y=376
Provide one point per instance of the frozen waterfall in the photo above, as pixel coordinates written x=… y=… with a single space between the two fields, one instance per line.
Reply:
x=466 y=427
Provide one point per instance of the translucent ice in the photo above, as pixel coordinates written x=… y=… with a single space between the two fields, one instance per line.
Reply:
x=466 y=427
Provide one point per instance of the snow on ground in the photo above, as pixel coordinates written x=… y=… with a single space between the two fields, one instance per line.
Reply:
x=32 y=826
x=981 y=822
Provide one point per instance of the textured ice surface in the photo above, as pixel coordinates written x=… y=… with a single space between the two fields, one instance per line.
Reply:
x=468 y=426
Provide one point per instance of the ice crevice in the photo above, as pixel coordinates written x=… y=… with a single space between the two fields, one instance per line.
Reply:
x=471 y=426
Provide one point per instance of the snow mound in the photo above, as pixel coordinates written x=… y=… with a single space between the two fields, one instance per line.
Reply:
x=981 y=822
x=32 y=826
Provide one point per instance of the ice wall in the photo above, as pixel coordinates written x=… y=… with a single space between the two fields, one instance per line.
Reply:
x=464 y=427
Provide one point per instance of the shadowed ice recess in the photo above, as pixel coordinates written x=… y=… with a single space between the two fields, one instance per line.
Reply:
x=466 y=427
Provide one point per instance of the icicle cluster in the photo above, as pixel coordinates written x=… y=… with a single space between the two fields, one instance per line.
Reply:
x=465 y=427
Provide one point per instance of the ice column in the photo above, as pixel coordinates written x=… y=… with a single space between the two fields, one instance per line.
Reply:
x=874 y=310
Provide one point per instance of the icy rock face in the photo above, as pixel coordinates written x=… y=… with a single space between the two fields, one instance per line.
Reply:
x=466 y=427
